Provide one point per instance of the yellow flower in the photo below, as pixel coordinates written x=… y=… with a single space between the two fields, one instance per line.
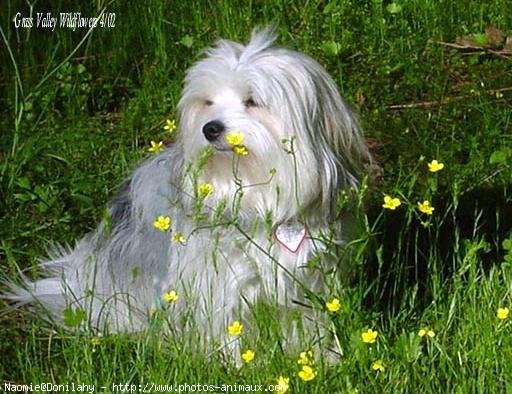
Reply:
x=435 y=166
x=156 y=147
x=170 y=296
x=162 y=223
x=282 y=384
x=425 y=207
x=378 y=365
x=236 y=328
x=95 y=341
x=240 y=150
x=369 y=336
x=426 y=331
x=178 y=237
x=391 y=203
x=170 y=125
x=204 y=190
x=333 y=306
x=248 y=356
x=307 y=373
x=305 y=358
x=502 y=313
x=234 y=138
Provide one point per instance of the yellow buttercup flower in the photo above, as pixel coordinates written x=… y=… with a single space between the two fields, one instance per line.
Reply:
x=240 y=150
x=283 y=384
x=248 y=356
x=369 y=336
x=235 y=138
x=156 y=147
x=391 y=202
x=96 y=341
x=378 y=365
x=307 y=373
x=502 y=313
x=435 y=166
x=162 y=223
x=426 y=332
x=425 y=207
x=236 y=328
x=170 y=125
x=305 y=358
x=178 y=237
x=170 y=296
x=204 y=190
x=333 y=306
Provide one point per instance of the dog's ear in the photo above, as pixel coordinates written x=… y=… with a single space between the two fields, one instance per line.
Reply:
x=341 y=148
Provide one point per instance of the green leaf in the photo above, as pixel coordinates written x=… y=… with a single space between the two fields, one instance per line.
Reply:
x=23 y=182
x=81 y=69
x=23 y=197
x=481 y=39
x=500 y=156
x=73 y=317
x=187 y=41
x=394 y=8
x=331 y=48
x=135 y=271
x=88 y=201
x=330 y=7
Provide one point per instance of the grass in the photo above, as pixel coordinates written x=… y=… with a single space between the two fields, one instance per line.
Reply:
x=68 y=142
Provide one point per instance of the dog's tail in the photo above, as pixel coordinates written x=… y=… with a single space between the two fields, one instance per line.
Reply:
x=47 y=294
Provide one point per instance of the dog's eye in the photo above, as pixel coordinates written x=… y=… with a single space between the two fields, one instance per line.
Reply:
x=208 y=102
x=250 y=103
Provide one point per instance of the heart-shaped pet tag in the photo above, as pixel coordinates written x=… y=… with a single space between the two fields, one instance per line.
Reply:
x=291 y=236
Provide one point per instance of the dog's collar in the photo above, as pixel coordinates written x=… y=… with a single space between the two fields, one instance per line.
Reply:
x=291 y=235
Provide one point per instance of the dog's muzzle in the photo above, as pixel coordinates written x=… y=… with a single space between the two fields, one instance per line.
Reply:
x=213 y=129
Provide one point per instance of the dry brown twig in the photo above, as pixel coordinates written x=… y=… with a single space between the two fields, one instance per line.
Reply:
x=446 y=100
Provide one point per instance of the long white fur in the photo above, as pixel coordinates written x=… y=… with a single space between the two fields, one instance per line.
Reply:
x=119 y=272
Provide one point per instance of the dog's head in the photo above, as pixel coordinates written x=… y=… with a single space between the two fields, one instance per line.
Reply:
x=301 y=144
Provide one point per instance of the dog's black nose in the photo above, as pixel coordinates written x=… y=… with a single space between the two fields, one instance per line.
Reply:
x=213 y=129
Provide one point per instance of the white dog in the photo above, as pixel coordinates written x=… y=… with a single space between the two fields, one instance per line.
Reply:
x=245 y=197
